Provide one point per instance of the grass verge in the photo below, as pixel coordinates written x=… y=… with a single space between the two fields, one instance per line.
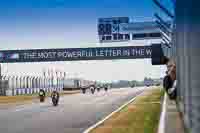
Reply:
x=141 y=116
x=28 y=98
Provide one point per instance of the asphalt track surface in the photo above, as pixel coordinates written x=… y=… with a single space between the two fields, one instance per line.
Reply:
x=74 y=114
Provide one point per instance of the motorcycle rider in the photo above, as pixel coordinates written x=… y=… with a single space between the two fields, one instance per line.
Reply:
x=106 y=88
x=83 y=90
x=98 y=88
x=92 y=88
x=55 y=96
x=42 y=95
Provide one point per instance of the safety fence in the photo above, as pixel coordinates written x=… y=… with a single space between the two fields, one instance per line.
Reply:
x=29 y=91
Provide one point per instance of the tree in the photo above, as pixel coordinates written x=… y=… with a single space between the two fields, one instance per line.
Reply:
x=133 y=83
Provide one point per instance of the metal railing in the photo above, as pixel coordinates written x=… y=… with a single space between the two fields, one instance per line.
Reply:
x=31 y=84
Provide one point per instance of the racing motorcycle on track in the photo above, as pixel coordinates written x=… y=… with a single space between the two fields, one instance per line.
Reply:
x=55 y=98
x=106 y=88
x=42 y=95
x=83 y=90
x=92 y=89
x=98 y=89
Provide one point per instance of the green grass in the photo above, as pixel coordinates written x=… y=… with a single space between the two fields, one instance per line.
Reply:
x=28 y=97
x=34 y=94
x=141 y=116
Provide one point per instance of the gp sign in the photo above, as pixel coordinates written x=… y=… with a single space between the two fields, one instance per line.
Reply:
x=72 y=54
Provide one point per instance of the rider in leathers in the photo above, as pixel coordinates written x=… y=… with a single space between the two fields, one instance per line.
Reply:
x=56 y=95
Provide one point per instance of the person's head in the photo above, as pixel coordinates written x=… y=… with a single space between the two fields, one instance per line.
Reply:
x=171 y=69
x=165 y=60
x=166 y=72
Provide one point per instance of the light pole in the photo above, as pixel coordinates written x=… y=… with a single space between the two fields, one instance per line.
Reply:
x=28 y=82
x=44 y=79
x=21 y=80
x=13 y=84
x=52 y=78
x=16 y=81
x=9 y=82
x=34 y=82
x=24 y=81
x=41 y=82
x=3 y=78
x=56 y=79
x=65 y=74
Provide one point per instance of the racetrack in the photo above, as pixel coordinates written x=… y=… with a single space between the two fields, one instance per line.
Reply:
x=74 y=114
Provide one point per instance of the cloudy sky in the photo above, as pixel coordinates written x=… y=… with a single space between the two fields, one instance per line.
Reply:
x=27 y=24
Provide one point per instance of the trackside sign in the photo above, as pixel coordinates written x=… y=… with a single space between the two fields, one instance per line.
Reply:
x=72 y=54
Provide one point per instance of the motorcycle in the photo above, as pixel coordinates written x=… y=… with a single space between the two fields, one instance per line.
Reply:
x=106 y=88
x=55 y=99
x=98 y=89
x=92 y=90
x=84 y=90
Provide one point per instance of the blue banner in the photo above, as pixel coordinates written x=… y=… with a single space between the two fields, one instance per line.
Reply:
x=70 y=54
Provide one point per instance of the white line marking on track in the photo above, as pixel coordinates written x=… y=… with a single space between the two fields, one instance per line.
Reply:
x=161 y=128
x=111 y=114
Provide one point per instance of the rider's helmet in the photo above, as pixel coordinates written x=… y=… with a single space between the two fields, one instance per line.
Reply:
x=91 y=87
x=55 y=93
x=41 y=92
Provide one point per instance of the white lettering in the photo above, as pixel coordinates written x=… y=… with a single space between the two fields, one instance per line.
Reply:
x=148 y=51
x=54 y=54
x=110 y=52
x=69 y=54
x=41 y=55
x=83 y=53
x=136 y=52
x=30 y=55
x=79 y=53
x=126 y=52
x=101 y=53
x=64 y=54
x=74 y=54
x=88 y=53
x=96 y=53
x=106 y=52
x=142 y=52
x=114 y=53
x=118 y=52
x=91 y=54
x=59 y=54
x=26 y=55
x=47 y=55
x=33 y=55
x=133 y=52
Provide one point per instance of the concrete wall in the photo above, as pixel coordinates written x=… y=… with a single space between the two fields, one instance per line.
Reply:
x=186 y=52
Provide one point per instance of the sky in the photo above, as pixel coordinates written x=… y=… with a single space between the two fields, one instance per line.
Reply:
x=32 y=24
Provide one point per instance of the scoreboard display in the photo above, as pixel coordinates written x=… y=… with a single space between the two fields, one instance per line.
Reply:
x=108 y=29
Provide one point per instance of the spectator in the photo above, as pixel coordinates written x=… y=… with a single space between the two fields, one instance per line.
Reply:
x=169 y=81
